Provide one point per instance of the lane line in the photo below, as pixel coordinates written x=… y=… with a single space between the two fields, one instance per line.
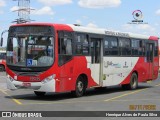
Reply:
x=110 y=99
x=137 y=91
x=13 y=99
x=4 y=91
x=17 y=101
x=70 y=102
x=136 y=100
x=66 y=102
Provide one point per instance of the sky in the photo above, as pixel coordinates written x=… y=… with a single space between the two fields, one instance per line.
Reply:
x=108 y=14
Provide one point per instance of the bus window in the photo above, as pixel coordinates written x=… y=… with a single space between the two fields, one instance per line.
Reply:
x=156 y=49
x=82 y=44
x=110 y=46
x=137 y=47
x=125 y=46
x=65 y=47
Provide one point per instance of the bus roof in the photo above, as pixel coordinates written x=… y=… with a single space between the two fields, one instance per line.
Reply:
x=95 y=30
x=111 y=33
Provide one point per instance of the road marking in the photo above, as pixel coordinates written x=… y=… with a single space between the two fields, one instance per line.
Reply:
x=137 y=91
x=65 y=102
x=3 y=91
x=15 y=100
x=69 y=102
x=135 y=100
x=110 y=99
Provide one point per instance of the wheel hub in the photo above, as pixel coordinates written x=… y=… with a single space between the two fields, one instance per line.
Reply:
x=134 y=82
x=80 y=86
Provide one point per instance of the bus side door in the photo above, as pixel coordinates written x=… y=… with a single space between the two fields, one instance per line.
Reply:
x=96 y=55
x=150 y=59
x=65 y=62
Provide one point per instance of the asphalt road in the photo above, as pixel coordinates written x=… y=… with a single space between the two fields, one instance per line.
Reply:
x=110 y=99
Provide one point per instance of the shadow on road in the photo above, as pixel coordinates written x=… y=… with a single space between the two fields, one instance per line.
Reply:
x=68 y=95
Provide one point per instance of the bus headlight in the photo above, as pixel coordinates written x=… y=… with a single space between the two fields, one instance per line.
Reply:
x=10 y=78
x=48 y=78
x=7 y=76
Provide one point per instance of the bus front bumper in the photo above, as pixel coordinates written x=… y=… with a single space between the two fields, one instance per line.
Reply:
x=48 y=86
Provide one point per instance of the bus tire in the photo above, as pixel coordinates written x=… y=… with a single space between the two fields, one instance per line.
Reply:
x=2 y=68
x=39 y=93
x=80 y=87
x=133 y=83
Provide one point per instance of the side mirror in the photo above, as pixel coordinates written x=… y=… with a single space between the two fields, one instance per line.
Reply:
x=1 y=42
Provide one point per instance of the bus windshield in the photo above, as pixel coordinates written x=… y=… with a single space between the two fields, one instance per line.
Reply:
x=30 y=50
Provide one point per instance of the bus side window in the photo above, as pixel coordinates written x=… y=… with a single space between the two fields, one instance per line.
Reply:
x=82 y=44
x=64 y=47
x=125 y=46
x=111 y=46
x=156 y=49
x=137 y=47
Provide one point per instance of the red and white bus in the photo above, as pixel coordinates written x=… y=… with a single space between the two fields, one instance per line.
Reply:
x=2 y=60
x=74 y=58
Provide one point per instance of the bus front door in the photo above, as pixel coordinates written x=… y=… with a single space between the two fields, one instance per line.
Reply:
x=96 y=59
x=150 y=60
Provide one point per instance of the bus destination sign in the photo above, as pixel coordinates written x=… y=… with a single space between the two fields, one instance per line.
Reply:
x=111 y=33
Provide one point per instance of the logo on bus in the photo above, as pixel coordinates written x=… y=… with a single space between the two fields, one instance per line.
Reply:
x=111 y=64
x=125 y=65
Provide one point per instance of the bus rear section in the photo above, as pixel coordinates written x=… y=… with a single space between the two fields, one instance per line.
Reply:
x=126 y=60
x=2 y=60
x=62 y=58
x=145 y=66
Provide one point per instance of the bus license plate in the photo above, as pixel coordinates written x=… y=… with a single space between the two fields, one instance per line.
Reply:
x=26 y=84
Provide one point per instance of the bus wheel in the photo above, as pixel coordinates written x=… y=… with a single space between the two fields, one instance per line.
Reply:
x=133 y=83
x=39 y=93
x=2 y=68
x=80 y=87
